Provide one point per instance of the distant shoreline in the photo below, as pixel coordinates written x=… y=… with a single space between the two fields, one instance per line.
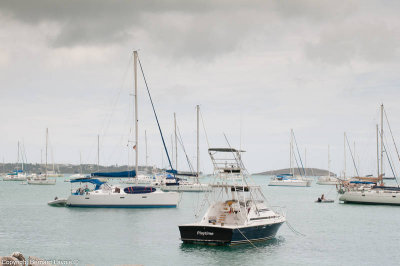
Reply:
x=308 y=171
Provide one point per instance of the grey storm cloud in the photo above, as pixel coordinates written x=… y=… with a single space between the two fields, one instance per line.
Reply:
x=199 y=29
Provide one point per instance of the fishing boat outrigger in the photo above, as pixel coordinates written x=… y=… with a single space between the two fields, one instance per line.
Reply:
x=237 y=211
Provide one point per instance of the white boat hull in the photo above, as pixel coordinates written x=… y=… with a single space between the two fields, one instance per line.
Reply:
x=187 y=188
x=371 y=197
x=115 y=200
x=14 y=178
x=327 y=182
x=290 y=183
x=42 y=182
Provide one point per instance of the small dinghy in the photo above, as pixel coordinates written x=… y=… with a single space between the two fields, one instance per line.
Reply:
x=325 y=201
x=322 y=199
x=58 y=202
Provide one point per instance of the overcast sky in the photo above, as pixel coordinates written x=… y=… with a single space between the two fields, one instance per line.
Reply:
x=256 y=68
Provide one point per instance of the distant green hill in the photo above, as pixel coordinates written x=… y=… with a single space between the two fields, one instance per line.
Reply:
x=309 y=172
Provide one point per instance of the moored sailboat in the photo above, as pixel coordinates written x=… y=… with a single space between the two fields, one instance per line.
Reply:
x=289 y=179
x=105 y=195
x=42 y=179
x=328 y=180
x=372 y=190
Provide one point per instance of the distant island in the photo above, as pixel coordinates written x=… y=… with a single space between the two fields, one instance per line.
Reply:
x=309 y=172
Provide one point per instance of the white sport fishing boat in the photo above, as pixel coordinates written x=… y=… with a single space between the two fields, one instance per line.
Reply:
x=290 y=180
x=237 y=212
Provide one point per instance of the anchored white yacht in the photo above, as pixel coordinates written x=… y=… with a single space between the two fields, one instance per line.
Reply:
x=237 y=211
x=104 y=195
x=42 y=179
x=290 y=180
x=365 y=190
x=328 y=180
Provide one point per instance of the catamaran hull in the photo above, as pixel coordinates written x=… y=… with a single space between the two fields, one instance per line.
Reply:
x=297 y=183
x=371 y=197
x=147 y=200
x=219 y=235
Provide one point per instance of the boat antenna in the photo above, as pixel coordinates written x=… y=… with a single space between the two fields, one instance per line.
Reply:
x=155 y=114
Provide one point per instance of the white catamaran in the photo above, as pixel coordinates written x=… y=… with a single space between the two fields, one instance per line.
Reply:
x=104 y=195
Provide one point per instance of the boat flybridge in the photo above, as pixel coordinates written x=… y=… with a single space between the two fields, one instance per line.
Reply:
x=237 y=211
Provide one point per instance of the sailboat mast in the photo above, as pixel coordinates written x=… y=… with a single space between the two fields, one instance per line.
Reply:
x=329 y=163
x=98 y=153
x=344 y=146
x=354 y=151
x=176 y=144
x=145 y=140
x=135 y=59
x=80 y=161
x=18 y=157
x=305 y=162
x=291 y=151
x=198 y=137
x=381 y=139
x=377 y=149
x=47 y=140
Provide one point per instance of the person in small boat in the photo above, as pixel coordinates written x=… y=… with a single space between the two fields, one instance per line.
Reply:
x=322 y=197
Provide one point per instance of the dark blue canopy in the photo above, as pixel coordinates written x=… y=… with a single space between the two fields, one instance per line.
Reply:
x=361 y=182
x=93 y=181
x=123 y=174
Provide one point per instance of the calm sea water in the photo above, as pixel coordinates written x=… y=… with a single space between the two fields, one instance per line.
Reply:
x=335 y=234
